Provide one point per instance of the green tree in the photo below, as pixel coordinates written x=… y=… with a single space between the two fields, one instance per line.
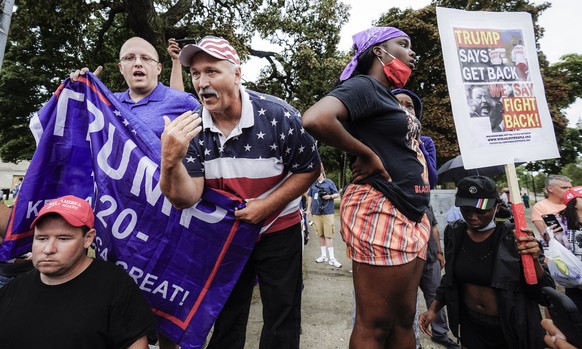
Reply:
x=48 y=38
x=309 y=63
x=570 y=147
x=35 y=61
x=574 y=172
x=559 y=94
x=571 y=67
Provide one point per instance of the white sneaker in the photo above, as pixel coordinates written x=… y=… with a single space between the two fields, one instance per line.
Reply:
x=321 y=259
x=335 y=263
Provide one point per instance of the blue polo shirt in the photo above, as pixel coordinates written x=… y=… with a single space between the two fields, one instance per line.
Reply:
x=162 y=101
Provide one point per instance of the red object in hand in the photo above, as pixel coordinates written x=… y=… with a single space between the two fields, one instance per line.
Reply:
x=528 y=264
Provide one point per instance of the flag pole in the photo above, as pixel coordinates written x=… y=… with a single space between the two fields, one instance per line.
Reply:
x=519 y=219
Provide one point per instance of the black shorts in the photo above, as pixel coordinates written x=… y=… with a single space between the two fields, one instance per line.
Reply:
x=480 y=331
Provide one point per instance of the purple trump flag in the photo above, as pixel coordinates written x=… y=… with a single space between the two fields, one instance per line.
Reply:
x=185 y=261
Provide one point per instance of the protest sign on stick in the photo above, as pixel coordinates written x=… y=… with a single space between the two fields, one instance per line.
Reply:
x=519 y=220
x=497 y=95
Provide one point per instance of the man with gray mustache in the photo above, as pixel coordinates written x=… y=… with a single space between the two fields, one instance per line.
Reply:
x=251 y=145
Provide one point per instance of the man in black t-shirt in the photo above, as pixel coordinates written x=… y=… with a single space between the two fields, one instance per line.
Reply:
x=70 y=300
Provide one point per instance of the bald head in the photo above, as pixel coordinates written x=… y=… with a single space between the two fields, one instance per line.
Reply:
x=140 y=67
x=140 y=44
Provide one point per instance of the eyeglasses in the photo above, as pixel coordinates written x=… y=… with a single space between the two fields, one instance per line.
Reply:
x=133 y=58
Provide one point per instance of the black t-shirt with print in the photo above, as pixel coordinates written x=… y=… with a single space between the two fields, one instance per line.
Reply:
x=377 y=120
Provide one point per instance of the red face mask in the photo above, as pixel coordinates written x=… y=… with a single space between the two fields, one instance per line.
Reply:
x=396 y=71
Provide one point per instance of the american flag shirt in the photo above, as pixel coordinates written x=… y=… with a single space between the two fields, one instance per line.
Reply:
x=267 y=146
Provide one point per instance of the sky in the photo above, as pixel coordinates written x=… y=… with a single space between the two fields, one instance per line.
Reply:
x=561 y=22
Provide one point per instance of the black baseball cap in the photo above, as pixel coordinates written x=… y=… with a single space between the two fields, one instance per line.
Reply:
x=477 y=191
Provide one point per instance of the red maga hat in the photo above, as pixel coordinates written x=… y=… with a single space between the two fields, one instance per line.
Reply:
x=572 y=193
x=76 y=211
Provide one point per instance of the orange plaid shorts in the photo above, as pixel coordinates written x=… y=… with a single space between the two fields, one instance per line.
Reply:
x=376 y=233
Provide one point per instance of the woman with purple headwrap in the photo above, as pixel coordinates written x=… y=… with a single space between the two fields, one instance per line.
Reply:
x=383 y=219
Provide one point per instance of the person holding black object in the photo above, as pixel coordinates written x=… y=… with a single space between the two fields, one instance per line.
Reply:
x=484 y=287
x=556 y=186
x=320 y=206
x=176 y=79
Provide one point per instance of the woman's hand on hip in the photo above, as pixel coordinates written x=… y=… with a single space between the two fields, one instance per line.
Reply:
x=366 y=166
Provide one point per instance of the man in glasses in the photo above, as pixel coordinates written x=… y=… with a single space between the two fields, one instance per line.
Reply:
x=146 y=97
